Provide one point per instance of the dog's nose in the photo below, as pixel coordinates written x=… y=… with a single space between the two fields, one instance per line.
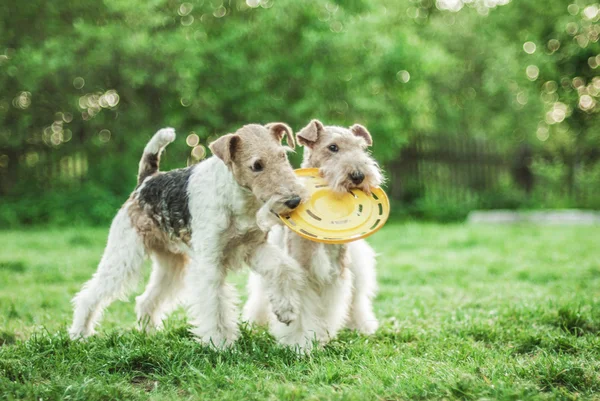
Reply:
x=293 y=202
x=357 y=177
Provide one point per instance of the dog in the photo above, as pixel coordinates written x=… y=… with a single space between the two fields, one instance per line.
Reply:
x=197 y=224
x=341 y=279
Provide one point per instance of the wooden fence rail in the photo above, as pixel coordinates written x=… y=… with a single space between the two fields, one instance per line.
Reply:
x=452 y=167
x=455 y=169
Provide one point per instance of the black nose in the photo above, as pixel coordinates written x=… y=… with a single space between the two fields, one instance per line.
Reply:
x=357 y=177
x=293 y=202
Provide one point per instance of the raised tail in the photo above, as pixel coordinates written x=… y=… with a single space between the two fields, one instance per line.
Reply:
x=151 y=158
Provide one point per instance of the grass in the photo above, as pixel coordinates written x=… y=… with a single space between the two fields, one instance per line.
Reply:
x=467 y=312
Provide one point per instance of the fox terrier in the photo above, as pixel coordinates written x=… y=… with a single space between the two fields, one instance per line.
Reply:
x=341 y=278
x=197 y=224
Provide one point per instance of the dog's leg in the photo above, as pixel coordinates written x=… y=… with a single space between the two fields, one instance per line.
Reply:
x=117 y=272
x=362 y=317
x=166 y=284
x=212 y=302
x=308 y=329
x=337 y=297
x=323 y=310
x=257 y=309
x=284 y=279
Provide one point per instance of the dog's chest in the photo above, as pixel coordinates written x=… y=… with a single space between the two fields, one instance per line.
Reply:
x=329 y=262
x=324 y=262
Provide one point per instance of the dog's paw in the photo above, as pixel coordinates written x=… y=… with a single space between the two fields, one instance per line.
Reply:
x=149 y=327
x=80 y=335
x=366 y=327
x=301 y=344
x=285 y=315
x=266 y=219
x=216 y=343
x=217 y=340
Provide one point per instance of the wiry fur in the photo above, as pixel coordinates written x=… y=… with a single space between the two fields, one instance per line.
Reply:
x=341 y=278
x=151 y=157
x=197 y=224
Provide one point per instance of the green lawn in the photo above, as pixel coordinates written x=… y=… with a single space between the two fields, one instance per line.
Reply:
x=468 y=312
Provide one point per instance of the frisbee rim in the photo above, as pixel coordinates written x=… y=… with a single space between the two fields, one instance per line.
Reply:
x=380 y=194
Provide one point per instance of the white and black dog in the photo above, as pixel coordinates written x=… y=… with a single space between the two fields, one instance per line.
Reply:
x=198 y=223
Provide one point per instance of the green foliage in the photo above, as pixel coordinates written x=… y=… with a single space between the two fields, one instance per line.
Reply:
x=86 y=84
x=467 y=312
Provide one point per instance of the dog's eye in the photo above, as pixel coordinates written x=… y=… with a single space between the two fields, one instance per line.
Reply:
x=257 y=166
x=334 y=148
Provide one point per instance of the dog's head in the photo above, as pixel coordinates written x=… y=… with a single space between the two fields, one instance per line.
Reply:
x=258 y=162
x=341 y=154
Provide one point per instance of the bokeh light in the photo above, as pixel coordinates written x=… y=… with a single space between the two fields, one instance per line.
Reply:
x=185 y=9
x=532 y=72
x=550 y=87
x=187 y=20
x=220 y=12
x=553 y=45
x=573 y=9
x=92 y=103
x=572 y=28
x=542 y=133
x=482 y=6
x=336 y=26
x=104 y=135
x=591 y=12
x=403 y=76
x=266 y=3
x=192 y=139
x=32 y=158
x=78 y=82
x=529 y=47
x=586 y=103
x=557 y=113
x=22 y=100
x=198 y=152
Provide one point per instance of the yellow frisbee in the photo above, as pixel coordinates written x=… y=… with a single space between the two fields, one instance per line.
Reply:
x=336 y=218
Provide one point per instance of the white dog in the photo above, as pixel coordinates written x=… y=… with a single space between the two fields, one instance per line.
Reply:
x=198 y=223
x=341 y=278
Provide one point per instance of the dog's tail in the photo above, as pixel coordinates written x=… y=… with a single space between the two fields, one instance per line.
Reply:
x=149 y=163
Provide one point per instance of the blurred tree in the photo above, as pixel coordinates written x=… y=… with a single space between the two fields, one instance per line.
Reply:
x=85 y=84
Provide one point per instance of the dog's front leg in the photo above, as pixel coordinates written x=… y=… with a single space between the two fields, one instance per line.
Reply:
x=284 y=279
x=212 y=303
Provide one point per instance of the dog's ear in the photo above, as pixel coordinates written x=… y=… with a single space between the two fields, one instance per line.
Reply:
x=277 y=130
x=224 y=147
x=309 y=135
x=362 y=132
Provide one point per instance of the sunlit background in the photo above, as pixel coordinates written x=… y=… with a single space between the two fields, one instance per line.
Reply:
x=473 y=104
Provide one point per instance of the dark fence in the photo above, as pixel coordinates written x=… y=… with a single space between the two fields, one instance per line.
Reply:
x=441 y=177
x=475 y=173
x=450 y=166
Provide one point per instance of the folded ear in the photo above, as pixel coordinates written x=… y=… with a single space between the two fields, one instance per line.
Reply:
x=224 y=147
x=278 y=130
x=309 y=135
x=362 y=132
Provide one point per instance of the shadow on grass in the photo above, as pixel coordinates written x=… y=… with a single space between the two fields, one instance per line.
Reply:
x=576 y=321
x=15 y=266
x=172 y=354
